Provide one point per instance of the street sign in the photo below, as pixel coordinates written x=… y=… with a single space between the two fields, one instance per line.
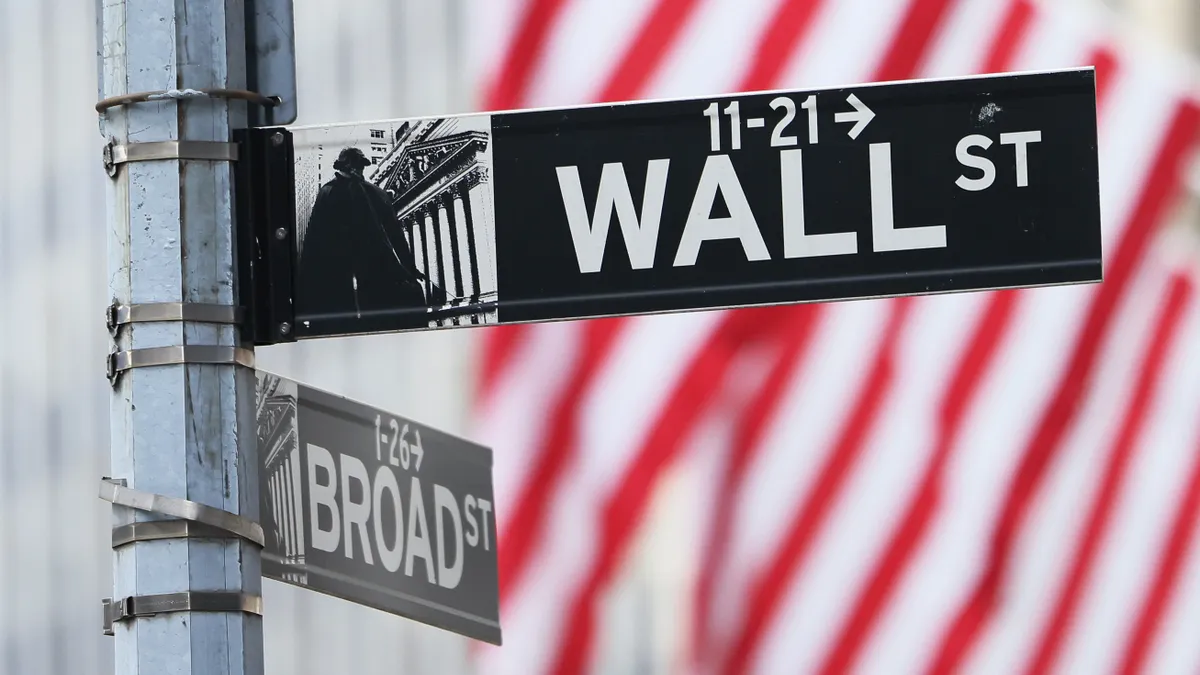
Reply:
x=376 y=509
x=725 y=201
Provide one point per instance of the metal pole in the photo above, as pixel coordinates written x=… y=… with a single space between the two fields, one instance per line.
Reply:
x=182 y=431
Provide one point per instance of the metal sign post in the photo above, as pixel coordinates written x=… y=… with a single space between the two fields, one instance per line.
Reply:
x=184 y=485
x=889 y=189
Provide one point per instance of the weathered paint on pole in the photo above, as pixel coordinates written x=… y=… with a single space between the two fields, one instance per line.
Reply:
x=185 y=431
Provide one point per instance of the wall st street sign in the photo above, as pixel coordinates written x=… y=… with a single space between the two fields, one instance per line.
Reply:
x=376 y=509
x=736 y=200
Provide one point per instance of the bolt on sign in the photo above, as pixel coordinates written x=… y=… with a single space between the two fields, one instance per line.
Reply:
x=748 y=199
x=376 y=509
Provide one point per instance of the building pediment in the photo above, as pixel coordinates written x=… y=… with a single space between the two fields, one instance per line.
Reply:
x=426 y=162
x=275 y=425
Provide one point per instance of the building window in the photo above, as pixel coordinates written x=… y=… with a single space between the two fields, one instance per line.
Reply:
x=376 y=133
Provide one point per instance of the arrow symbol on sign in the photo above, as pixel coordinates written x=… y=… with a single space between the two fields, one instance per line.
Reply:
x=861 y=116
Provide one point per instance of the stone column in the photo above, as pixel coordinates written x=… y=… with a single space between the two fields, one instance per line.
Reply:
x=279 y=491
x=468 y=264
x=483 y=226
x=276 y=504
x=417 y=242
x=297 y=503
x=446 y=246
x=435 y=260
x=289 y=499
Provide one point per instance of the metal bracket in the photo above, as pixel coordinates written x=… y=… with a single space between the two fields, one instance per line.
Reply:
x=271 y=59
x=266 y=234
x=187 y=601
x=117 y=315
x=116 y=154
x=119 y=362
x=114 y=491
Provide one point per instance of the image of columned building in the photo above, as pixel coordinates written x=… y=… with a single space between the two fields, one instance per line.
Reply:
x=281 y=503
x=437 y=175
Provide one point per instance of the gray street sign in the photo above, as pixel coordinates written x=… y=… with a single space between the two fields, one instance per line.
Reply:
x=377 y=509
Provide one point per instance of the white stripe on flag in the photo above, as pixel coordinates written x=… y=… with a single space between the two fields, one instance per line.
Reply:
x=794 y=447
x=846 y=43
x=1043 y=550
x=715 y=49
x=972 y=24
x=526 y=391
x=623 y=402
x=1155 y=479
x=587 y=44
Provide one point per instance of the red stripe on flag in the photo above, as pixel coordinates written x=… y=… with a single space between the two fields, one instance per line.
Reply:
x=642 y=59
x=500 y=345
x=516 y=72
x=897 y=557
x=909 y=46
x=1105 y=62
x=507 y=92
x=528 y=523
x=785 y=31
x=1010 y=37
x=912 y=41
x=1104 y=501
x=959 y=395
x=1057 y=417
x=1166 y=576
x=771 y=586
x=799 y=326
x=688 y=400
x=635 y=68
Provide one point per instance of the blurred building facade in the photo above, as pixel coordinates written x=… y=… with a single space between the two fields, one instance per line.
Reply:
x=358 y=59
x=1174 y=21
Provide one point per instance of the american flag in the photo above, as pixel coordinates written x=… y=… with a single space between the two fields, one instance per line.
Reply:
x=1001 y=482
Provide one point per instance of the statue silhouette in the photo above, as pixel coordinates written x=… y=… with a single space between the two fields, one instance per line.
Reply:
x=355 y=259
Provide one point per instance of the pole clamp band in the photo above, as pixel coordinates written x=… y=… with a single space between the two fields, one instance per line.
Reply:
x=115 y=492
x=187 y=601
x=154 y=530
x=183 y=94
x=116 y=154
x=117 y=315
x=119 y=362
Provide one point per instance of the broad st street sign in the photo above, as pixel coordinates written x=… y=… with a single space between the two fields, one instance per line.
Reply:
x=726 y=201
x=376 y=509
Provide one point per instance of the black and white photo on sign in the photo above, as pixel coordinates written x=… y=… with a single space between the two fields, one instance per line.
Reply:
x=396 y=218
x=279 y=448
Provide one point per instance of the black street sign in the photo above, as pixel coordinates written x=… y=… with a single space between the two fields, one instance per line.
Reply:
x=377 y=509
x=725 y=201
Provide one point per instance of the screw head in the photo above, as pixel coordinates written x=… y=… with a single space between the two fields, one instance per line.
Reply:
x=285 y=328
x=277 y=138
x=280 y=234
